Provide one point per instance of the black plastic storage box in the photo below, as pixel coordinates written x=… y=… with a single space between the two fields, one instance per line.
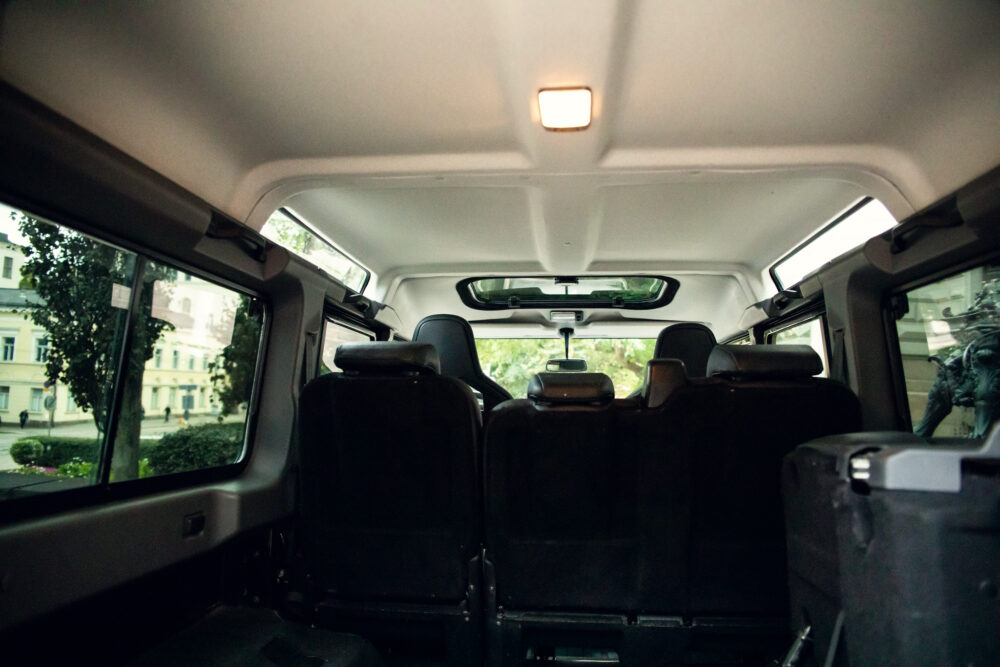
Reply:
x=894 y=549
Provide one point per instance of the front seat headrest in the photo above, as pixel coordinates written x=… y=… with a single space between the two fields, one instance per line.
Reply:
x=571 y=388
x=456 y=346
x=764 y=361
x=690 y=342
x=387 y=358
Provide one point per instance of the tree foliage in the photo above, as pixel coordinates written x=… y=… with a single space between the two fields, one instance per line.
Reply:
x=512 y=361
x=233 y=370
x=293 y=236
x=83 y=288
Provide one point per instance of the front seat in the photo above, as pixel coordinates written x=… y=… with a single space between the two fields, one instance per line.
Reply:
x=456 y=346
x=690 y=342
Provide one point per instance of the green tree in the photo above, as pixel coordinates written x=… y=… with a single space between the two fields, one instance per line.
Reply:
x=293 y=236
x=83 y=288
x=233 y=369
x=512 y=361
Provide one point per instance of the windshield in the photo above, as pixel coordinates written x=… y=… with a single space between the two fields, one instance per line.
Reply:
x=512 y=361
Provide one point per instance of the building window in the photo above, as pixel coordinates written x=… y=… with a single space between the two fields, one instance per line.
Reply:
x=177 y=359
x=158 y=357
x=186 y=306
x=8 y=348
x=41 y=349
x=154 y=398
x=191 y=362
x=204 y=362
x=70 y=403
x=5 y=398
x=8 y=267
x=36 y=400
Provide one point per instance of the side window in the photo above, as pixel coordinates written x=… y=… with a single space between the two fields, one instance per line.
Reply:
x=949 y=343
x=82 y=400
x=335 y=334
x=194 y=317
x=811 y=333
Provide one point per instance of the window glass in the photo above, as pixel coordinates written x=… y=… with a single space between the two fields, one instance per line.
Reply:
x=71 y=313
x=62 y=392
x=806 y=333
x=334 y=335
x=195 y=317
x=586 y=291
x=866 y=219
x=288 y=230
x=949 y=342
x=41 y=353
x=511 y=362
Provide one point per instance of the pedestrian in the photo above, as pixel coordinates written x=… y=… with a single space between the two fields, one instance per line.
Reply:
x=187 y=415
x=23 y=417
x=166 y=414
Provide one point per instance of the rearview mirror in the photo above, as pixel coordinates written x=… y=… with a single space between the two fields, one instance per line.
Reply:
x=566 y=365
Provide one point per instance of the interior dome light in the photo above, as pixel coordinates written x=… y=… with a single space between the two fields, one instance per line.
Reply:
x=564 y=108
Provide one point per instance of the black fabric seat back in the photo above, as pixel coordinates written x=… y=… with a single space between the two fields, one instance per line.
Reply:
x=456 y=346
x=760 y=403
x=389 y=476
x=710 y=453
x=560 y=497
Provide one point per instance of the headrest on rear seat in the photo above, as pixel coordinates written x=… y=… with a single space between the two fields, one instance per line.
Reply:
x=571 y=388
x=388 y=358
x=764 y=361
x=662 y=377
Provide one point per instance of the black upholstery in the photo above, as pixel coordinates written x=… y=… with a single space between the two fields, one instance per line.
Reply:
x=389 y=358
x=764 y=361
x=456 y=346
x=690 y=342
x=389 y=478
x=668 y=505
x=745 y=424
x=571 y=388
x=560 y=503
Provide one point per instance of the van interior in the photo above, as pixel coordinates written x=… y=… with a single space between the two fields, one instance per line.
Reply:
x=492 y=333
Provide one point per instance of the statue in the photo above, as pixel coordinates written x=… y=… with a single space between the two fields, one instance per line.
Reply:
x=970 y=375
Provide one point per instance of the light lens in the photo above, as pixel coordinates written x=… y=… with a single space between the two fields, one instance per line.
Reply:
x=564 y=109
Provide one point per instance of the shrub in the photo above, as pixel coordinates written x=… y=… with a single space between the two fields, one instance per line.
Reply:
x=195 y=447
x=75 y=468
x=50 y=451
x=53 y=451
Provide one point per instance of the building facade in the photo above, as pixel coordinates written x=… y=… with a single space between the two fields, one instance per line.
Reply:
x=177 y=377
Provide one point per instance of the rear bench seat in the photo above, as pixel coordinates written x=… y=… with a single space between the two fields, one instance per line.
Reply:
x=624 y=528
x=651 y=524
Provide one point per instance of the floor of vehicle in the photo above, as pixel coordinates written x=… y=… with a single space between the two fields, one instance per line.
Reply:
x=230 y=635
